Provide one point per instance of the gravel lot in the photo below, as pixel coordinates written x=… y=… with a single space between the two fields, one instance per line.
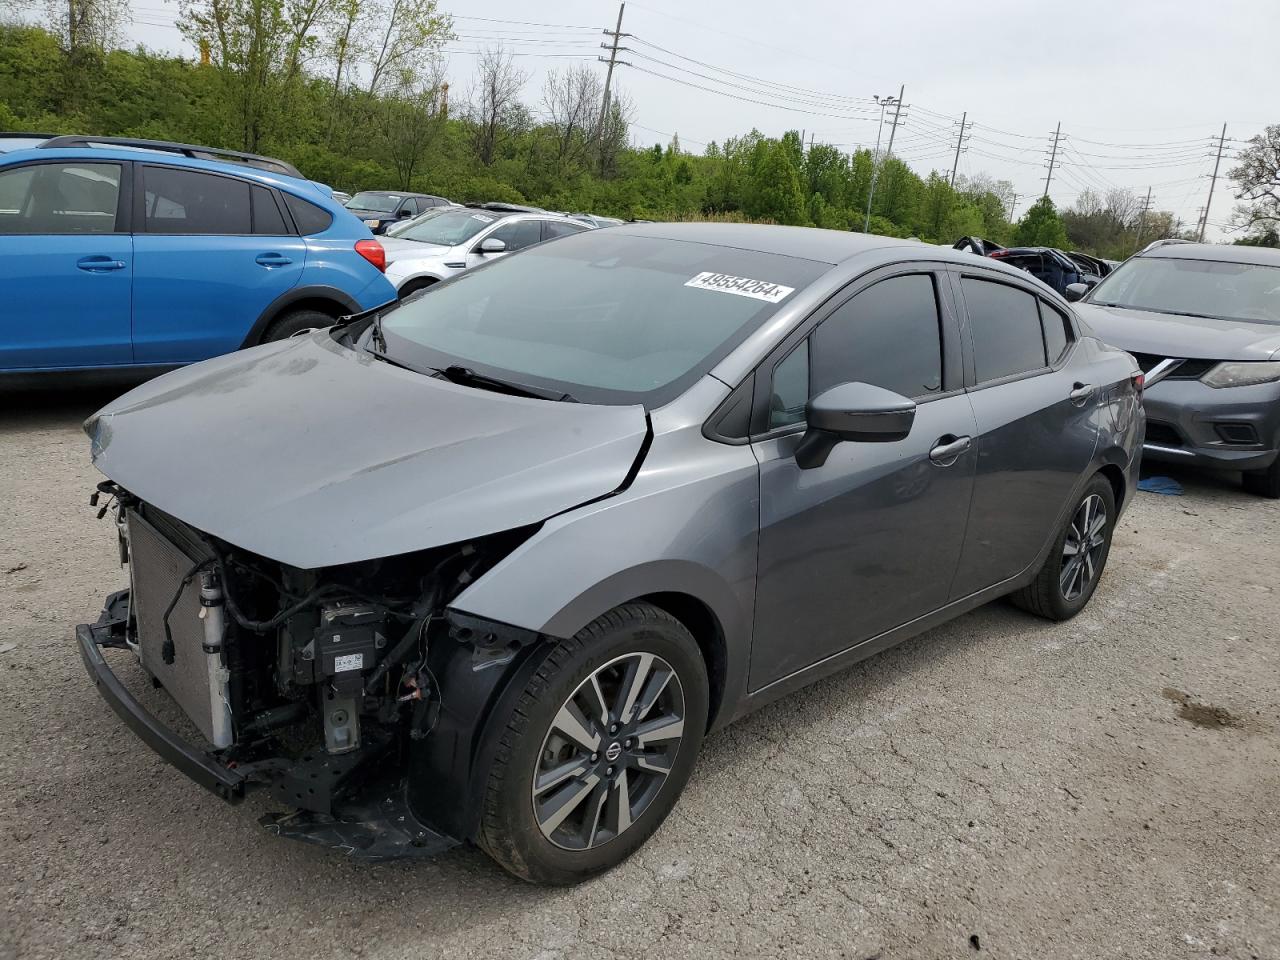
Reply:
x=1108 y=787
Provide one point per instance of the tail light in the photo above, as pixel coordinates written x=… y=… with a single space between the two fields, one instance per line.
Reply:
x=372 y=251
x=998 y=253
x=1139 y=381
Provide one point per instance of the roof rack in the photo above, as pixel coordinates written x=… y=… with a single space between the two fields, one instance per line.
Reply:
x=270 y=164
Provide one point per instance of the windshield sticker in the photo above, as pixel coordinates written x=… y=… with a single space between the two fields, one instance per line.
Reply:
x=742 y=286
x=482 y=218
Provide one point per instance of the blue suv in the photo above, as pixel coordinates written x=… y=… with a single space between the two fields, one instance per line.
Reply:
x=137 y=253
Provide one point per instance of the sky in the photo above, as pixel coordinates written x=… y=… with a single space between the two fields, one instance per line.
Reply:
x=1141 y=88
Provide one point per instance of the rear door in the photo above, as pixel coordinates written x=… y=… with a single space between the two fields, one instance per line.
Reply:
x=560 y=228
x=1036 y=414
x=66 y=265
x=870 y=539
x=213 y=252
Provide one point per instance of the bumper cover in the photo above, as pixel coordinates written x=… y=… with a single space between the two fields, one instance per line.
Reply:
x=1183 y=418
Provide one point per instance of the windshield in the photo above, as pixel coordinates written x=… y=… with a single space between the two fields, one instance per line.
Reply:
x=1200 y=288
x=603 y=316
x=399 y=229
x=448 y=229
x=378 y=202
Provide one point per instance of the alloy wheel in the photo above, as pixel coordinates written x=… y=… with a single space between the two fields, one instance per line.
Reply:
x=609 y=750
x=1086 y=539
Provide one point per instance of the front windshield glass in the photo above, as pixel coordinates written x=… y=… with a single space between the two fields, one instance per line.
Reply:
x=448 y=229
x=1201 y=288
x=605 y=317
x=377 y=202
x=399 y=229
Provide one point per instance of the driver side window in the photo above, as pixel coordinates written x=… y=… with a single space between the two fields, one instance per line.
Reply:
x=518 y=234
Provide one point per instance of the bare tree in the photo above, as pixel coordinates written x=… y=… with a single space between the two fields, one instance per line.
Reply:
x=615 y=132
x=1257 y=180
x=495 y=109
x=86 y=25
x=412 y=32
x=572 y=101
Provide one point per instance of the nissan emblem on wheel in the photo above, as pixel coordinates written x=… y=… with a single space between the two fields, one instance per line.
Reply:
x=487 y=564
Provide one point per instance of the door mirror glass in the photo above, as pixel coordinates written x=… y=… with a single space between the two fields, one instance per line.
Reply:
x=492 y=245
x=1075 y=291
x=853 y=411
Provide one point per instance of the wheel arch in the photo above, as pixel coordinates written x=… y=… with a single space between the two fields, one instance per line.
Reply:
x=701 y=621
x=326 y=299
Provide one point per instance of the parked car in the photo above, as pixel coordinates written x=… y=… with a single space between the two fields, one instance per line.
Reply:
x=488 y=564
x=1050 y=265
x=978 y=245
x=438 y=247
x=1203 y=321
x=593 y=220
x=379 y=209
x=341 y=196
x=120 y=253
x=396 y=229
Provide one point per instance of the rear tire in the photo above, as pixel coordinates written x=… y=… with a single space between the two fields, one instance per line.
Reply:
x=1264 y=483
x=295 y=322
x=1070 y=574
x=612 y=759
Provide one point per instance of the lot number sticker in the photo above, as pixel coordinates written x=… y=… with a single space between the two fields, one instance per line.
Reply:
x=742 y=286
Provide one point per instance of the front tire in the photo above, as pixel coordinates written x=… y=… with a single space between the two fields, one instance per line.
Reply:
x=597 y=749
x=1264 y=483
x=1075 y=563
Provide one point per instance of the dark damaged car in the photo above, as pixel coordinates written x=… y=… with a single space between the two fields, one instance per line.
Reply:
x=487 y=565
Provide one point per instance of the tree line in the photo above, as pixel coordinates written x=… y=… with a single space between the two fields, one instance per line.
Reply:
x=353 y=92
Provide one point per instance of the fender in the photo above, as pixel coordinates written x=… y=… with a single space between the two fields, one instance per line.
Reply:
x=313 y=291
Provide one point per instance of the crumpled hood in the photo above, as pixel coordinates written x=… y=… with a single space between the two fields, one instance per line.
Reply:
x=313 y=454
x=1189 y=338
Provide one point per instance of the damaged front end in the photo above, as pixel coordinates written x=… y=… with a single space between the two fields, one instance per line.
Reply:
x=352 y=694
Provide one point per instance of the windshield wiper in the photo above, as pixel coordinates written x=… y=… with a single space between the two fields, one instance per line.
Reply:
x=457 y=373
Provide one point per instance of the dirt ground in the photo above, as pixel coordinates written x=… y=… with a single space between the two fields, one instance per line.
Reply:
x=1001 y=786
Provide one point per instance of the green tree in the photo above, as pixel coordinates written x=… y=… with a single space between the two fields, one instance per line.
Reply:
x=1040 y=226
x=775 y=186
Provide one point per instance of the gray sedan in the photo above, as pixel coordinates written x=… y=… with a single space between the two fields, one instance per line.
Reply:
x=488 y=565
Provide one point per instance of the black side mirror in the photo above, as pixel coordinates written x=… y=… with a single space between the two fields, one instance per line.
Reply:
x=1075 y=291
x=852 y=411
x=405 y=214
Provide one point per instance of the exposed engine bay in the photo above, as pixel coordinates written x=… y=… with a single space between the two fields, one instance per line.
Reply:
x=351 y=693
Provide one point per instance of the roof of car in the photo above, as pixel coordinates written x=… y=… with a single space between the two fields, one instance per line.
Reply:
x=807 y=243
x=1226 y=253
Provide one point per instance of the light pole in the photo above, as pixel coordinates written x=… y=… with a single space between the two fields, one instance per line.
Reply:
x=885 y=102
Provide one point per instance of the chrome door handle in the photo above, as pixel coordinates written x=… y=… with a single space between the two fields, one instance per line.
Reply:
x=1080 y=393
x=948 y=449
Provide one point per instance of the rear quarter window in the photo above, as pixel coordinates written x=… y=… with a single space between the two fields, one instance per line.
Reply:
x=307 y=216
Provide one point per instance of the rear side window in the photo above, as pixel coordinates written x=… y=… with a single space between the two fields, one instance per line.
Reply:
x=554 y=228
x=888 y=335
x=1006 y=329
x=309 y=218
x=1056 y=332
x=190 y=202
x=59 y=198
x=267 y=218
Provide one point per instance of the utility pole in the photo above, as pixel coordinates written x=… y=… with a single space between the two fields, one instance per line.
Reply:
x=1012 y=203
x=811 y=141
x=1142 y=217
x=1204 y=220
x=1053 y=158
x=875 y=157
x=897 y=109
x=959 y=143
x=613 y=48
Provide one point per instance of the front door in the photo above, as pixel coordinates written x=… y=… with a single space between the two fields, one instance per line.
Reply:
x=66 y=266
x=1037 y=415
x=516 y=234
x=869 y=540
x=213 y=252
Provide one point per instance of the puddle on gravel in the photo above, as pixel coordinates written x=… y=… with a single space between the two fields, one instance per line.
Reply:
x=1201 y=714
